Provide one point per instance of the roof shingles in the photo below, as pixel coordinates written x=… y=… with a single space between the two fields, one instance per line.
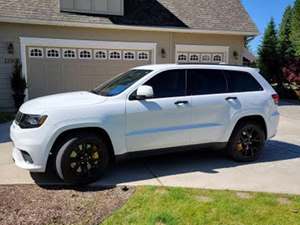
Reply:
x=212 y=15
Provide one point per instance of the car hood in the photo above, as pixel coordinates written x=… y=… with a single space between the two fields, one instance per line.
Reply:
x=72 y=99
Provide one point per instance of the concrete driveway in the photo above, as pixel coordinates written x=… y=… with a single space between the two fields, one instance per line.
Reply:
x=276 y=171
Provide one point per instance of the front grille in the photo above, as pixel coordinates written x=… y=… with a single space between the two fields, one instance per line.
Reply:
x=19 y=117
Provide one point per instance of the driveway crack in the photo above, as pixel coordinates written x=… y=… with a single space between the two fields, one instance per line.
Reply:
x=153 y=174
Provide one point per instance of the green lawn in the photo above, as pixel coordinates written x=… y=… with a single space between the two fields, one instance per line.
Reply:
x=6 y=117
x=179 y=206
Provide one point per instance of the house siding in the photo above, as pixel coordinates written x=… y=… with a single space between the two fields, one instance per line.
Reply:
x=165 y=40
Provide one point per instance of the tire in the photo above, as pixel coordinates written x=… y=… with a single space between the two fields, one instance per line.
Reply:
x=82 y=159
x=246 y=142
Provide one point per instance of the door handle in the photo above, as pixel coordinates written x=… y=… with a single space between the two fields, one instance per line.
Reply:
x=181 y=103
x=231 y=98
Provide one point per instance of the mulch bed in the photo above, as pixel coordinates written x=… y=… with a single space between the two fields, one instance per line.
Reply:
x=34 y=205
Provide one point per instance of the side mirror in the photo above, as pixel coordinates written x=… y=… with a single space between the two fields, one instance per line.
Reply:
x=144 y=92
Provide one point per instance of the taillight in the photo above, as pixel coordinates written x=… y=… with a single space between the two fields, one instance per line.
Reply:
x=276 y=98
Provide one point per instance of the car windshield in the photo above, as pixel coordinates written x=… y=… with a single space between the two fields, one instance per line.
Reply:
x=120 y=83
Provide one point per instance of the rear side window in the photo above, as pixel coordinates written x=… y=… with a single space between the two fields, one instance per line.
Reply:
x=170 y=83
x=205 y=81
x=242 y=82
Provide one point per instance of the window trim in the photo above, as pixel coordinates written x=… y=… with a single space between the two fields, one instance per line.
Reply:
x=39 y=49
x=100 y=50
x=69 y=49
x=112 y=51
x=85 y=50
x=53 y=57
x=129 y=52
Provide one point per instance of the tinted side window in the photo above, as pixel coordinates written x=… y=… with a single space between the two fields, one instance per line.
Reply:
x=205 y=81
x=170 y=83
x=242 y=82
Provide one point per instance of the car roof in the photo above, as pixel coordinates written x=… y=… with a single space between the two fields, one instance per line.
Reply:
x=196 y=66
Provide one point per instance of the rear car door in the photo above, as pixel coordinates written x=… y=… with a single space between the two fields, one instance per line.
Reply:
x=245 y=90
x=211 y=112
x=161 y=121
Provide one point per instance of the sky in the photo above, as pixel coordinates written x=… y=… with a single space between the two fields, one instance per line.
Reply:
x=261 y=12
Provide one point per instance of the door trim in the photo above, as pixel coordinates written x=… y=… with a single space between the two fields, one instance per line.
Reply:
x=73 y=43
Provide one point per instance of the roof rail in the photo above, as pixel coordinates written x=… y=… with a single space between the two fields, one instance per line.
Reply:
x=211 y=64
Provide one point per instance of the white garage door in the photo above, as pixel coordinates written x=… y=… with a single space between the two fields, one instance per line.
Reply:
x=54 y=66
x=201 y=54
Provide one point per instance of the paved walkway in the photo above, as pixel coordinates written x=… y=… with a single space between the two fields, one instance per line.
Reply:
x=276 y=171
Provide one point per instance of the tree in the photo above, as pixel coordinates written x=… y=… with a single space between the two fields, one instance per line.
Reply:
x=286 y=49
x=295 y=28
x=268 y=61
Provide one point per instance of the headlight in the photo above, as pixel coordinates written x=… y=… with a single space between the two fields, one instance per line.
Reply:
x=26 y=121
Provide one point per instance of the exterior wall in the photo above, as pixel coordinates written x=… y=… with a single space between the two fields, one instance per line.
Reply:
x=164 y=40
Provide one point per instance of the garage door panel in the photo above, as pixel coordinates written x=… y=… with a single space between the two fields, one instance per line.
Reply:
x=53 y=77
x=36 y=80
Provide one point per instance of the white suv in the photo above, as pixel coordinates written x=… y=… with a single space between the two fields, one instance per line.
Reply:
x=149 y=109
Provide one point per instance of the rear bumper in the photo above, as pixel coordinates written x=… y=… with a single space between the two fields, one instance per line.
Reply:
x=273 y=124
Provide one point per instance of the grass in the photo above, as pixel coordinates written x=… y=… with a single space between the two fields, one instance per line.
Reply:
x=6 y=117
x=179 y=206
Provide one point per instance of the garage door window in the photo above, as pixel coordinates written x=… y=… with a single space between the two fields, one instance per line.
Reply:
x=217 y=58
x=143 y=56
x=205 y=58
x=85 y=54
x=69 y=54
x=115 y=55
x=53 y=53
x=36 y=53
x=194 y=58
x=129 y=55
x=100 y=54
x=182 y=57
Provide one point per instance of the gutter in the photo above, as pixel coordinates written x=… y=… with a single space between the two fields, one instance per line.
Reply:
x=122 y=27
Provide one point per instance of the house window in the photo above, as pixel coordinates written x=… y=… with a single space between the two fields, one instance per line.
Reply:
x=100 y=54
x=182 y=57
x=143 y=56
x=217 y=58
x=53 y=53
x=69 y=54
x=194 y=58
x=128 y=55
x=36 y=53
x=115 y=55
x=205 y=58
x=85 y=54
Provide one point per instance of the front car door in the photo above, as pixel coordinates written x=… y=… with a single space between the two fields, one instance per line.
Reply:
x=162 y=121
x=211 y=112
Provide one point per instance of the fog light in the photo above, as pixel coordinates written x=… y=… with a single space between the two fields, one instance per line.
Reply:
x=27 y=157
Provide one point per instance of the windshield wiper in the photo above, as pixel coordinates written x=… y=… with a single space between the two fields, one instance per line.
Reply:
x=94 y=92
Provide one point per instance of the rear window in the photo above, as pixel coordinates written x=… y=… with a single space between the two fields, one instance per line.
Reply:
x=242 y=82
x=206 y=81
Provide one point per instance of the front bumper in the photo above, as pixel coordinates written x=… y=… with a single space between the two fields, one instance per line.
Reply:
x=20 y=162
x=32 y=142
